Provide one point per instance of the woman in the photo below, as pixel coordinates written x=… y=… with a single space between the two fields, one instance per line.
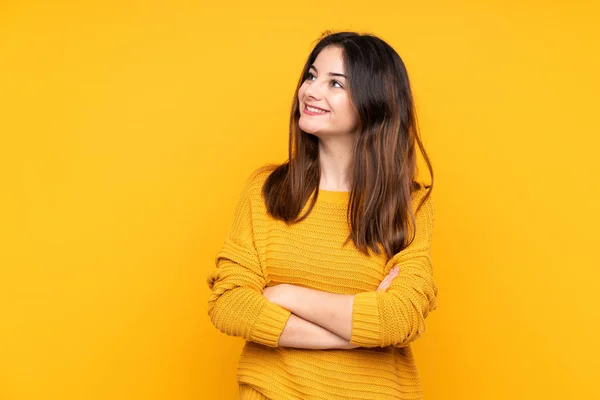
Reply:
x=326 y=271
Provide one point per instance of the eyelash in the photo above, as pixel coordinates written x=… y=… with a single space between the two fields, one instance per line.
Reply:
x=333 y=80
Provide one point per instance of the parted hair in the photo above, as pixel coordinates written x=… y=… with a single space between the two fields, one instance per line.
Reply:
x=383 y=168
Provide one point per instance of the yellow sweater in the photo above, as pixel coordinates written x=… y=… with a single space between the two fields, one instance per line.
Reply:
x=260 y=251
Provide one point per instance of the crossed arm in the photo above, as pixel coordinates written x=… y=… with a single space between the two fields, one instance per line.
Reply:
x=240 y=303
x=319 y=320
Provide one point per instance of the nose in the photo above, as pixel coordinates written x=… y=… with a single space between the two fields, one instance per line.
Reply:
x=314 y=90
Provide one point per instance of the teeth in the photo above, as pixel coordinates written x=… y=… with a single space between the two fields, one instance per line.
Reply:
x=316 y=110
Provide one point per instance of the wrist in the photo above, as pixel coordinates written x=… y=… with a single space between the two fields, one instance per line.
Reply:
x=349 y=346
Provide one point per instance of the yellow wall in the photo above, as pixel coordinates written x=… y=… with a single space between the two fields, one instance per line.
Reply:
x=128 y=129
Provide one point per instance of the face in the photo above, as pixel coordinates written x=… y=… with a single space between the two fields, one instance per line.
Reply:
x=327 y=89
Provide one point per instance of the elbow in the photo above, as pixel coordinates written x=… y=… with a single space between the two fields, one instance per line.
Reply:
x=408 y=322
x=233 y=310
x=413 y=328
x=221 y=313
x=216 y=315
x=395 y=317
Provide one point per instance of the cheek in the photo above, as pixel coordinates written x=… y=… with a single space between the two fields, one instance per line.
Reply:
x=301 y=92
x=343 y=106
x=346 y=112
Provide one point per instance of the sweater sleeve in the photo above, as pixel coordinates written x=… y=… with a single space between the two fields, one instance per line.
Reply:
x=396 y=316
x=236 y=305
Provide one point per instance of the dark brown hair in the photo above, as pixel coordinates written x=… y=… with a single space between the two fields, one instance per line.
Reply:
x=383 y=165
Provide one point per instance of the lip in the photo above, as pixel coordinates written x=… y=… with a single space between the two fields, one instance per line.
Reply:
x=305 y=111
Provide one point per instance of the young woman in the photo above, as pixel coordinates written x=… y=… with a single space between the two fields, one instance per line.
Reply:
x=326 y=271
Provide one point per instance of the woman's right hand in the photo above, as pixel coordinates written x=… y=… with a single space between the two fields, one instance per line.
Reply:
x=388 y=279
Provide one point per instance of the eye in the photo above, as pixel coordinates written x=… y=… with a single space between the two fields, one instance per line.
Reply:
x=309 y=77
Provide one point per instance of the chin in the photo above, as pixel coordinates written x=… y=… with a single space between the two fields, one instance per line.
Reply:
x=309 y=129
x=313 y=134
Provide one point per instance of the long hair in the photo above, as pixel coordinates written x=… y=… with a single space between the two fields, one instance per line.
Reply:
x=383 y=167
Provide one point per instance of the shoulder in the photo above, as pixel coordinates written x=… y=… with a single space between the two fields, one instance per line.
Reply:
x=260 y=174
x=255 y=182
x=423 y=208
x=422 y=194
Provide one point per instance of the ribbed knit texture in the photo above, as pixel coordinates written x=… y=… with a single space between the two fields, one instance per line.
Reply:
x=260 y=251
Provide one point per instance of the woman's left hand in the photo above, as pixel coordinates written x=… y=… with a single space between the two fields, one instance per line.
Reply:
x=387 y=281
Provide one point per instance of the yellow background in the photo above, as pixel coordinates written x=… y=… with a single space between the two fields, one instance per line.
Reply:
x=128 y=129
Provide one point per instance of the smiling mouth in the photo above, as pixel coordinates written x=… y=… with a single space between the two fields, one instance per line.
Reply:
x=314 y=110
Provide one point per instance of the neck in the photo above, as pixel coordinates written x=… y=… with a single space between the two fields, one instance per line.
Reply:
x=335 y=158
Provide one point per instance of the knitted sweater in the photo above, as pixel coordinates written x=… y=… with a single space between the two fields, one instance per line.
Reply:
x=260 y=251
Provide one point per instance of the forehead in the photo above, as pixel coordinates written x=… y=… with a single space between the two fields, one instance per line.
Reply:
x=330 y=59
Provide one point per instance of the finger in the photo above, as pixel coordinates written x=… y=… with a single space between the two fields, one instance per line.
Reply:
x=391 y=275
x=388 y=278
x=384 y=287
x=385 y=282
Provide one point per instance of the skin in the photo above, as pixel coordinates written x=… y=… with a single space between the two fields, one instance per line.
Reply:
x=323 y=320
x=336 y=129
x=319 y=320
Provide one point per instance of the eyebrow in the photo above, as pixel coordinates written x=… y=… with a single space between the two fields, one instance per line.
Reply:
x=331 y=73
